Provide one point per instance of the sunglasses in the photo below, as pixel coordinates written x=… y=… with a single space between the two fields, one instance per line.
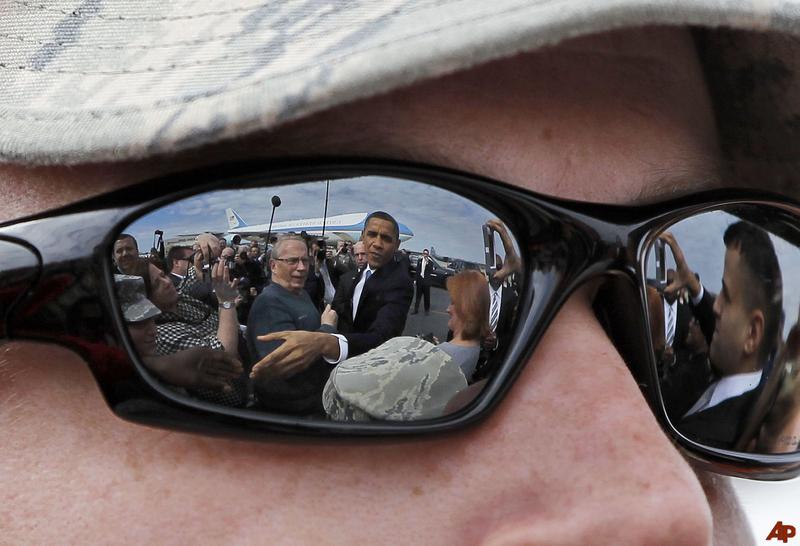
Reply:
x=695 y=293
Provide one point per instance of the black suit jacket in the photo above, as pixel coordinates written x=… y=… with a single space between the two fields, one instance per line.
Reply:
x=428 y=271
x=505 y=321
x=720 y=425
x=382 y=309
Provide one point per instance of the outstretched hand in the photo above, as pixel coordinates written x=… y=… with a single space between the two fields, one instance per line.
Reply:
x=298 y=351
x=198 y=367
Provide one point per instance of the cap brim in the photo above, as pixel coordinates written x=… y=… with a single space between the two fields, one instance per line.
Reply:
x=133 y=80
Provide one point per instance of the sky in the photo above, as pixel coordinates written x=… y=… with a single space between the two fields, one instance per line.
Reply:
x=438 y=218
x=700 y=238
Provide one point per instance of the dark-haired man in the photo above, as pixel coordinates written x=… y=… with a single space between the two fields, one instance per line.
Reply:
x=373 y=305
x=741 y=326
x=423 y=282
x=178 y=258
x=126 y=252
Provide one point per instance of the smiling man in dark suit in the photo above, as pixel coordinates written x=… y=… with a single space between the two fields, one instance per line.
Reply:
x=371 y=305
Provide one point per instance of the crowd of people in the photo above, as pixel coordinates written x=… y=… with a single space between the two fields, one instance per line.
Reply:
x=727 y=377
x=275 y=328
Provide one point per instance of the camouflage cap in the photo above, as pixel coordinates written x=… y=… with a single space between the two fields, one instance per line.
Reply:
x=131 y=293
x=110 y=80
x=404 y=379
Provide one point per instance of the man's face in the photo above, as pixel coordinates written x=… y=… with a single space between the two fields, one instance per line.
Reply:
x=360 y=253
x=572 y=454
x=291 y=277
x=181 y=263
x=222 y=244
x=380 y=242
x=729 y=350
x=425 y=254
x=125 y=254
x=253 y=252
x=143 y=335
x=164 y=295
x=227 y=254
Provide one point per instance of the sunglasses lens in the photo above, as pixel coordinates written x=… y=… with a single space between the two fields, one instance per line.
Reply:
x=420 y=284
x=723 y=318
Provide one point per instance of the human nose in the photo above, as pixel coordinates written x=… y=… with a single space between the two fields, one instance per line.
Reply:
x=590 y=464
x=301 y=265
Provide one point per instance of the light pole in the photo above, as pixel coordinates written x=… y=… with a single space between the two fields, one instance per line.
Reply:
x=276 y=202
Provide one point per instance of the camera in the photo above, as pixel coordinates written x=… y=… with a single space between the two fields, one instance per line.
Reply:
x=321 y=251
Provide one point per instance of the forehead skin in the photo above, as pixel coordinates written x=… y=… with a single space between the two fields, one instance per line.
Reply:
x=573 y=455
x=292 y=249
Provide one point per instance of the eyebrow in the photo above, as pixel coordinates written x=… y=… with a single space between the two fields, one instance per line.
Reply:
x=700 y=173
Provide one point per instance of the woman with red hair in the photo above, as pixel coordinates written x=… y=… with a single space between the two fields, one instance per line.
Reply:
x=469 y=319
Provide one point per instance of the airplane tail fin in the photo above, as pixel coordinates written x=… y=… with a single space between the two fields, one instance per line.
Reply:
x=234 y=220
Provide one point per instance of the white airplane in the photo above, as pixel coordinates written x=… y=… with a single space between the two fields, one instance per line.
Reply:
x=347 y=227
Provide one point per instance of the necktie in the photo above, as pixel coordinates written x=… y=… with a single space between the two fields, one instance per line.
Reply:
x=494 y=310
x=670 y=325
x=357 y=294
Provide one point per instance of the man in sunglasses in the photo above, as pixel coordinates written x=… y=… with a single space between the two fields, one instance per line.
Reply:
x=178 y=261
x=573 y=453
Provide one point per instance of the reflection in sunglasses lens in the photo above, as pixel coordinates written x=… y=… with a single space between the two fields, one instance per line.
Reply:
x=724 y=328
x=398 y=313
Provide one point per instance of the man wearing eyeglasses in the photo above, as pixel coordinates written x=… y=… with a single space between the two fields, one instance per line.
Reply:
x=573 y=453
x=283 y=306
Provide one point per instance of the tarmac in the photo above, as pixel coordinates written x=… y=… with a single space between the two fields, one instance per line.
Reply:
x=436 y=322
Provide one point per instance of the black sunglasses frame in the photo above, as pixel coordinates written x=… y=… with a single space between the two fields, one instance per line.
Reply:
x=68 y=250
